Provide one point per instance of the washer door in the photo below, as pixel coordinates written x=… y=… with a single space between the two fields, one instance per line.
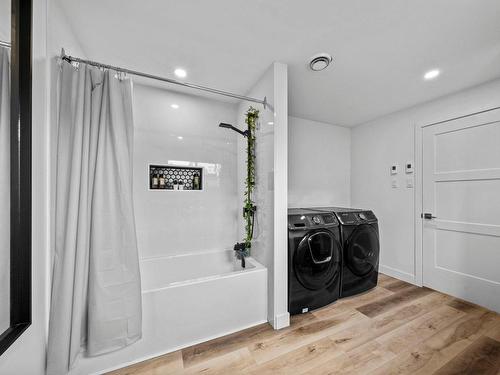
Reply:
x=317 y=260
x=362 y=253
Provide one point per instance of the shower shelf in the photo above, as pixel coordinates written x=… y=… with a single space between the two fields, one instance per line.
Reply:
x=172 y=174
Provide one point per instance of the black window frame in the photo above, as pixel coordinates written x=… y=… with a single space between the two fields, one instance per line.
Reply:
x=20 y=200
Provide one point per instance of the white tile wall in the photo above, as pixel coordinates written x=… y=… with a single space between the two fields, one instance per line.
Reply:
x=181 y=222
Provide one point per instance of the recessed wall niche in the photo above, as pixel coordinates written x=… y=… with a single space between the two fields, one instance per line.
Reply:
x=175 y=178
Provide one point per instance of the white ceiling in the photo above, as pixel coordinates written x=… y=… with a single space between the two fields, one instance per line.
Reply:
x=381 y=48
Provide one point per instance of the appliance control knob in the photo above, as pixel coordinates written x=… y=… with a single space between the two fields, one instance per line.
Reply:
x=316 y=220
x=362 y=216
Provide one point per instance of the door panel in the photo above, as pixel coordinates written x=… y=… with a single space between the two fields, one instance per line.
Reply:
x=460 y=142
x=461 y=188
x=317 y=260
x=362 y=253
x=454 y=254
x=476 y=201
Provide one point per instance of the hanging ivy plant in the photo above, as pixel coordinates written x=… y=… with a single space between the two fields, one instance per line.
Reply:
x=249 y=207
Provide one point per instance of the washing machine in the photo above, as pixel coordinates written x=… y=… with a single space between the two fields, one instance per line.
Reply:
x=314 y=259
x=359 y=237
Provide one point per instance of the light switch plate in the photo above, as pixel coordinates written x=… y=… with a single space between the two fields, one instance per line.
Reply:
x=394 y=183
x=409 y=167
x=394 y=169
x=409 y=183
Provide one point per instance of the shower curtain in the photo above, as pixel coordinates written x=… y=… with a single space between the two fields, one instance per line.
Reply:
x=4 y=189
x=96 y=293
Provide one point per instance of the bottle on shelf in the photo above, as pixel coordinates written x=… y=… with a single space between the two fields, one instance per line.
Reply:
x=181 y=185
x=162 y=181
x=176 y=185
x=154 y=182
x=196 y=181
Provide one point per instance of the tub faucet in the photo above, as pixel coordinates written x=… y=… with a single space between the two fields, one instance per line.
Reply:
x=240 y=249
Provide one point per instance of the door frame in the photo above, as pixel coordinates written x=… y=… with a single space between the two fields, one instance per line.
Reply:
x=419 y=192
x=20 y=269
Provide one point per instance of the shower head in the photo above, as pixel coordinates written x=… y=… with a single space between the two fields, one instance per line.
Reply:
x=229 y=126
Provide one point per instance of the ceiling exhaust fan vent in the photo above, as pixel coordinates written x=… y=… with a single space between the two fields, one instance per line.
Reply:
x=320 y=61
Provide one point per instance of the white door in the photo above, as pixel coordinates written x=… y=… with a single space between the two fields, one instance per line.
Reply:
x=461 y=188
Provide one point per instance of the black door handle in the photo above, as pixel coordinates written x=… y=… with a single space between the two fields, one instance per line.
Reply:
x=427 y=216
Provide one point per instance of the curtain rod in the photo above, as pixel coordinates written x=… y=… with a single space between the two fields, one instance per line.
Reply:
x=4 y=44
x=71 y=59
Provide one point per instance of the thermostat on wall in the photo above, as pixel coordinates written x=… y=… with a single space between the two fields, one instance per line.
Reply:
x=394 y=169
x=409 y=167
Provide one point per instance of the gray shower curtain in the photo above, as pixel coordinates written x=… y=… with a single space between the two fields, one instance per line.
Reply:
x=96 y=294
x=4 y=189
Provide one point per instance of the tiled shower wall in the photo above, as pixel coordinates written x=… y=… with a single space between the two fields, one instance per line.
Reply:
x=183 y=222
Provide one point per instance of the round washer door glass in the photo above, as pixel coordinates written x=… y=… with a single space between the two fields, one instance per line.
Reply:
x=317 y=260
x=363 y=249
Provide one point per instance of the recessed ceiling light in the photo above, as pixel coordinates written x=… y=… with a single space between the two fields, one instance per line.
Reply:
x=431 y=74
x=180 y=137
x=320 y=61
x=270 y=123
x=174 y=106
x=181 y=73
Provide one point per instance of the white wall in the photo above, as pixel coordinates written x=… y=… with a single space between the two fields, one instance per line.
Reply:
x=5 y=20
x=180 y=222
x=273 y=86
x=319 y=164
x=281 y=314
x=378 y=144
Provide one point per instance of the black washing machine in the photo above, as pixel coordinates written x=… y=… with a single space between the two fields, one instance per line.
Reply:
x=314 y=259
x=361 y=249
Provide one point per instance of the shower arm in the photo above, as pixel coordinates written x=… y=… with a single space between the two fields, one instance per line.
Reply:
x=229 y=126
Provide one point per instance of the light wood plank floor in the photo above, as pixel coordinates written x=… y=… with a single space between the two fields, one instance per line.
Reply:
x=396 y=328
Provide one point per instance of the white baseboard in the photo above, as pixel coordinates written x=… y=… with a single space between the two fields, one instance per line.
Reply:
x=281 y=321
x=398 y=274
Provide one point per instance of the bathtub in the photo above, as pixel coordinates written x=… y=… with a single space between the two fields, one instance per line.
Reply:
x=188 y=299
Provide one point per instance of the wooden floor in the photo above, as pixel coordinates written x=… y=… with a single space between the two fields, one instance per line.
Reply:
x=396 y=328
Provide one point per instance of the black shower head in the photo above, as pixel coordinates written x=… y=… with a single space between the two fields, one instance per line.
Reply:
x=229 y=126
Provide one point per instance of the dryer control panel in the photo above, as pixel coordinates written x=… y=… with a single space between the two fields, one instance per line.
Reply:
x=348 y=218
x=308 y=221
x=366 y=216
x=356 y=217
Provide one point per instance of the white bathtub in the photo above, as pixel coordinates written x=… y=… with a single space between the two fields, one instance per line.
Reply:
x=189 y=299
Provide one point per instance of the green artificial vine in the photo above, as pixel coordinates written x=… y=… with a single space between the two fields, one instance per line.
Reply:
x=249 y=207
